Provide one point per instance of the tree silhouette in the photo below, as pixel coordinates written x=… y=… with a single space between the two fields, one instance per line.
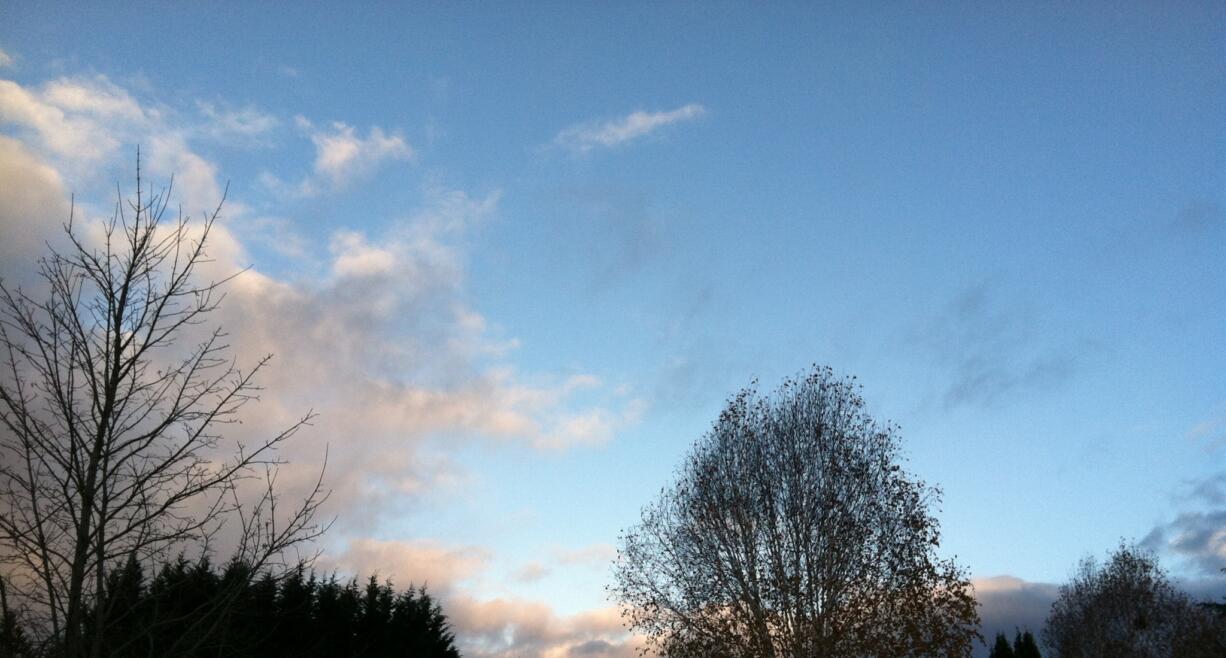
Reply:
x=1024 y=645
x=1001 y=648
x=298 y=615
x=1128 y=608
x=792 y=530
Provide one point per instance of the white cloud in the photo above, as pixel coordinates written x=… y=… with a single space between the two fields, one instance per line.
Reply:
x=342 y=156
x=87 y=127
x=6 y=60
x=80 y=120
x=585 y=137
x=226 y=123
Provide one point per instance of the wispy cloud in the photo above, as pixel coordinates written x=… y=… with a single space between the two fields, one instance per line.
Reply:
x=6 y=60
x=225 y=123
x=612 y=133
x=991 y=350
x=1211 y=431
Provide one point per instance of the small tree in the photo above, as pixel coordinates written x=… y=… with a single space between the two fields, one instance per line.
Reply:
x=1128 y=609
x=111 y=448
x=1024 y=645
x=1001 y=648
x=791 y=530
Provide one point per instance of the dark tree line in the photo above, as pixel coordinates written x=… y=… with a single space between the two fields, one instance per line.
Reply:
x=193 y=609
x=1024 y=646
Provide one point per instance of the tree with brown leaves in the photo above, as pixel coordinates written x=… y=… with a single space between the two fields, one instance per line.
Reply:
x=792 y=530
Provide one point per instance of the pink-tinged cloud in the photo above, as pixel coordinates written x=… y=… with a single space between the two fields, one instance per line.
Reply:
x=420 y=562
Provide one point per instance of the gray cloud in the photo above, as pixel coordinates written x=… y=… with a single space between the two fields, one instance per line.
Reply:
x=1198 y=538
x=991 y=351
x=1197 y=535
x=33 y=206
x=1008 y=604
x=593 y=648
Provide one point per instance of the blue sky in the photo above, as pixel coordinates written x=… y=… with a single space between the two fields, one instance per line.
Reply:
x=518 y=256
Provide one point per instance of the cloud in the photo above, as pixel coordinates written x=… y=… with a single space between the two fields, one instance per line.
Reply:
x=1196 y=536
x=506 y=628
x=81 y=120
x=33 y=205
x=342 y=156
x=224 y=123
x=991 y=353
x=530 y=573
x=612 y=133
x=1212 y=430
x=87 y=126
x=382 y=342
x=400 y=368
x=1008 y=603
x=6 y=60
x=420 y=562
x=498 y=627
x=593 y=554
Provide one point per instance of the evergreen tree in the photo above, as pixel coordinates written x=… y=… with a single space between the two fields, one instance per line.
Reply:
x=1001 y=648
x=13 y=640
x=189 y=610
x=1024 y=646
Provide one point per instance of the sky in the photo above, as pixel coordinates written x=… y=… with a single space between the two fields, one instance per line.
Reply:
x=517 y=257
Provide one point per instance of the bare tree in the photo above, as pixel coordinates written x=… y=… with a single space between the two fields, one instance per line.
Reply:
x=792 y=530
x=113 y=402
x=1127 y=608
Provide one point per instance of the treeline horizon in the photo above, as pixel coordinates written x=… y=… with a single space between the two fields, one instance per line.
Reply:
x=196 y=609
